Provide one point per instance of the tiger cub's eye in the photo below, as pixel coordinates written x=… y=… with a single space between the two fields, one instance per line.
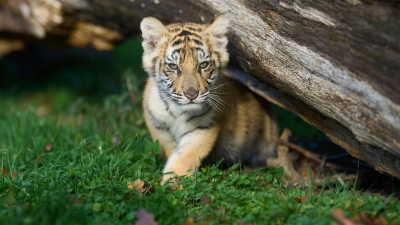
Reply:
x=173 y=66
x=204 y=65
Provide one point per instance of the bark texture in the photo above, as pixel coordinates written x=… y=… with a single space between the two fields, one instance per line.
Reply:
x=334 y=63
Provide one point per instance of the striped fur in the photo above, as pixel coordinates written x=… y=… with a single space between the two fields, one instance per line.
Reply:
x=198 y=115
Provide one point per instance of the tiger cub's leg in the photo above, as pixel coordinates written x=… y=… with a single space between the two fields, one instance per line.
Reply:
x=268 y=144
x=192 y=148
x=164 y=137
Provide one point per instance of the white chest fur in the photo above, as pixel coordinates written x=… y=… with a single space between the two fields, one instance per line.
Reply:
x=170 y=116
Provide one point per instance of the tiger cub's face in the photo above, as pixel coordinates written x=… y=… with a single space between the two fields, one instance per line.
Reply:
x=185 y=59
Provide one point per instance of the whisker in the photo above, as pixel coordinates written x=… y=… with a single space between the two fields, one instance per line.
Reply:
x=220 y=100
x=218 y=86
x=216 y=103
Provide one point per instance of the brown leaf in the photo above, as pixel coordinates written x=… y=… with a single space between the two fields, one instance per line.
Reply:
x=115 y=140
x=78 y=201
x=189 y=221
x=365 y=219
x=300 y=199
x=338 y=215
x=241 y=222
x=48 y=147
x=145 y=218
x=205 y=199
x=4 y=171
x=137 y=185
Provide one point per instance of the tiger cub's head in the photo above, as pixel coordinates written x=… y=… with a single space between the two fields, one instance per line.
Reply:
x=185 y=59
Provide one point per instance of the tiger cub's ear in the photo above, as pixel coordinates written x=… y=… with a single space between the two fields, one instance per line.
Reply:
x=218 y=30
x=152 y=32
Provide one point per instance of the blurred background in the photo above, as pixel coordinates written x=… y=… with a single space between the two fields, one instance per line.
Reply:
x=53 y=79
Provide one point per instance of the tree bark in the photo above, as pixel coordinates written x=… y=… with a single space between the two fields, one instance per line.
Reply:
x=334 y=63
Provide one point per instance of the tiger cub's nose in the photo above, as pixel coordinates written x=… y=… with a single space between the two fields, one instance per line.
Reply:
x=191 y=93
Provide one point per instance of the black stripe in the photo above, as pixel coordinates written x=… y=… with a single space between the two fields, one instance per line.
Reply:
x=183 y=52
x=159 y=125
x=165 y=104
x=175 y=30
x=185 y=33
x=218 y=58
x=179 y=41
x=197 y=41
x=197 y=128
x=165 y=74
x=194 y=29
x=200 y=49
x=201 y=114
x=153 y=64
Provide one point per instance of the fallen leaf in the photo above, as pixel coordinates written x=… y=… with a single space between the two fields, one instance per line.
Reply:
x=145 y=218
x=115 y=140
x=189 y=221
x=241 y=222
x=300 y=199
x=365 y=219
x=337 y=214
x=137 y=185
x=48 y=147
x=14 y=174
x=4 y=171
x=206 y=200
x=78 y=201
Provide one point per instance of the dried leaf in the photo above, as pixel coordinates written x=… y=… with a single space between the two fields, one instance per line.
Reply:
x=241 y=222
x=4 y=171
x=116 y=140
x=189 y=221
x=365 y=219
x=145 y=218
x=78 y=201
x=205 y=199
x=137 y=185
x=300 y=199
x=338 y=215
x=48 y=147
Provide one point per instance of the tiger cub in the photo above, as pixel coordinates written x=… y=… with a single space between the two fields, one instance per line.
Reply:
x=197 y=115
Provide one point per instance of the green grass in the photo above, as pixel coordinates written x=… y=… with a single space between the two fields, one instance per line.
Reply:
x=97 y=148
x=68 y=152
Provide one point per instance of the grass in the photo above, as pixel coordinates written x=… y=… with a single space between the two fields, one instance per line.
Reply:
x=72 y=167
x=67 y=159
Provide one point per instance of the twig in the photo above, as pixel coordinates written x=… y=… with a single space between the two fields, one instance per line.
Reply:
x=315 y=157
x=321 y=166
x=283 y=159
x=128 y=82
x=350 y=178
